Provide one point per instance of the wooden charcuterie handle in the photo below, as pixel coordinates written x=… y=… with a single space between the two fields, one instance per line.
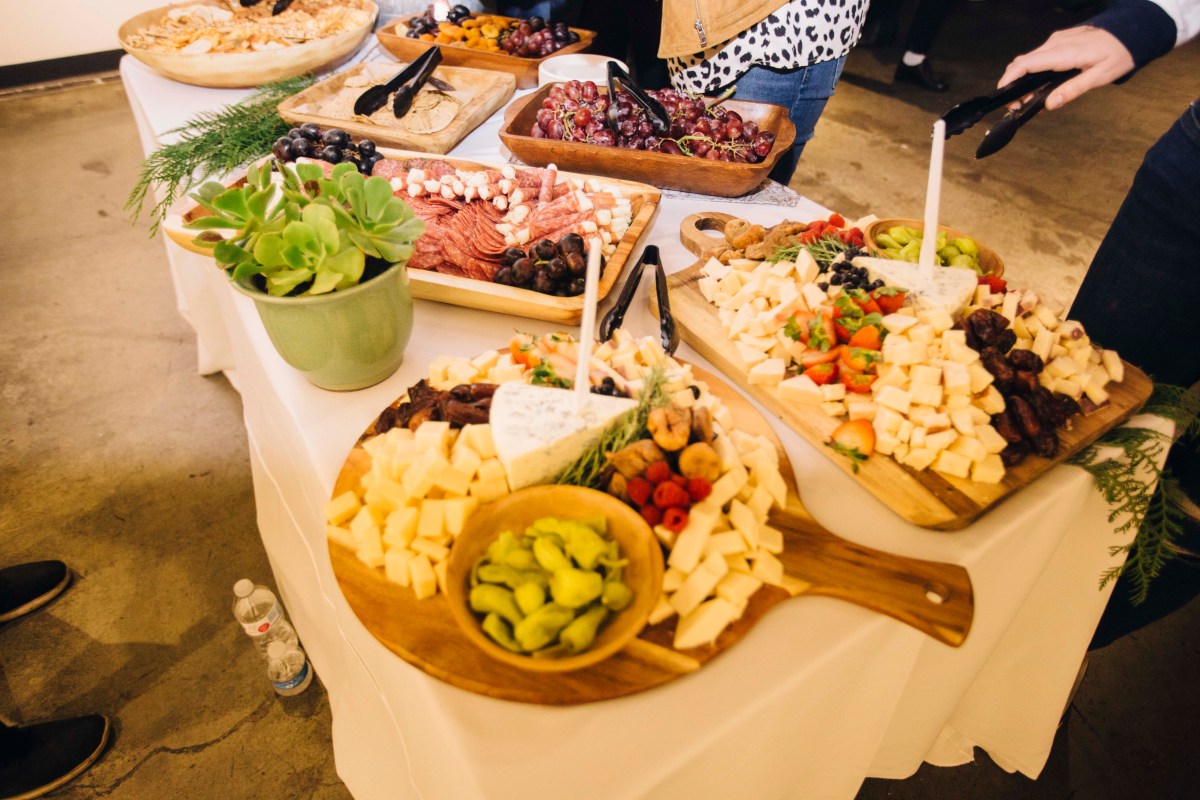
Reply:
x=692 y=231
x=934 y=597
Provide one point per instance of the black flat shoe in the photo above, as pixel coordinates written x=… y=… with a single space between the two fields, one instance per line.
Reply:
x=921 y=75
x=40 y=758
x=28 y=586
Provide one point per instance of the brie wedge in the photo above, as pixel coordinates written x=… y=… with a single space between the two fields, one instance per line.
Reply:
x=538 y=434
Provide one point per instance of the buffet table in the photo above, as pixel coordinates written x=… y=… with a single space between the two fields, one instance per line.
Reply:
x=820 y=695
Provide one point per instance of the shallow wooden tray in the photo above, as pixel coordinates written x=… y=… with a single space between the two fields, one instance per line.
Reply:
x=236 y=70
x=716 y=178
x=391 y=36
x=924 y=498
x=490 y=91
x=933 y=597
x=989 y=259
x=460 y=291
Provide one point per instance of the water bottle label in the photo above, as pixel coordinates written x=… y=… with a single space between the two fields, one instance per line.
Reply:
x=283 y=686
x=263 y=625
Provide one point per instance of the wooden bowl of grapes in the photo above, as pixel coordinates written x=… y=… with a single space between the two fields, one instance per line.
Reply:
x=642 y=573
x=689 y=166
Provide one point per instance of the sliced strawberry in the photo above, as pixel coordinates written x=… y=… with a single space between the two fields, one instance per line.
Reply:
x=818 y=226
x=855 y=440
x=856 y=382
x=889 y=299
x=823 y=373
x=813 y=356
x=995 y=284
x=822 y=333
x=796 y=327
x=868 y=337
x=837 y=220
x=859 y=359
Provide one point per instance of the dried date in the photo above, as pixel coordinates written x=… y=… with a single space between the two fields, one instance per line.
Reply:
x=1026 y=360
x=1025 y=416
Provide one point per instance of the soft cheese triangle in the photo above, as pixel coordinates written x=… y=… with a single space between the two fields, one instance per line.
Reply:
x=537 y=433
x=948 y=289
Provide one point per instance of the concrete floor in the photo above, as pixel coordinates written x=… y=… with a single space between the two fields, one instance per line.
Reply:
x=120 y=460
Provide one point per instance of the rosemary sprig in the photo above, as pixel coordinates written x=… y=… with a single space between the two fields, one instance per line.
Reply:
x=824 y=250
x=630 y=426
x=1125 y=484
x=212 y=143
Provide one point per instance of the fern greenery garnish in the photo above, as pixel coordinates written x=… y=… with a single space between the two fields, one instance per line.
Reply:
x=1156 y=514
x=589 y=468
x=212 y=143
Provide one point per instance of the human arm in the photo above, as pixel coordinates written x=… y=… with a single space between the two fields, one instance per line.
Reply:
x=1111 y=46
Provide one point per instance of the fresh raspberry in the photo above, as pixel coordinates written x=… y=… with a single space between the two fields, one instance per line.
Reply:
x=669 y=495
x=675 y=519
x=698 y=489
x=658 y=472
x=639 y=490
x=652 y=514
x=679 y=481
x=837 y=220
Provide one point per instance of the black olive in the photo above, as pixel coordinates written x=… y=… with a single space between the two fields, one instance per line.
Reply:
x=823 y=286
x=836 y=279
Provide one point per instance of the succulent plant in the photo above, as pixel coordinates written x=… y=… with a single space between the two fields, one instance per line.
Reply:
x=302 y=232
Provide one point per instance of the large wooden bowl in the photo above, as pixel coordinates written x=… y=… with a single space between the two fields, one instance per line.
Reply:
x=716 y=178
x=237 y=70
x=392 y=37
x=521 y=509
x=490 y=91
x=988 y=259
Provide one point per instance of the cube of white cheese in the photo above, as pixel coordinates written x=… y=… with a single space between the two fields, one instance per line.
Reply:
x=420 y=571
x=894 y=398
x=705 y=624
x=990 y=469
x=395 y=565
x=768 y=372
x=952 y=464
x=737 y=587
x=898 y=323
x=801 y=390
x=342 y=508
x=699 y=584
x=925 y=374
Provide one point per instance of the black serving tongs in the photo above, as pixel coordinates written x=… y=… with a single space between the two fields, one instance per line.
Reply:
x=1038 y=85
x=405 y=84
x=615 y=317
x=659 y=119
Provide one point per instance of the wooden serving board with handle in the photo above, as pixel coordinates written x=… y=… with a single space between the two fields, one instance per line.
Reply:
x=935 y=598
x=926 y=498
x=460 y=290
x=486 y=92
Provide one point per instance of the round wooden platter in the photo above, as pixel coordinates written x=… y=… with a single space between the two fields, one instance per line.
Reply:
x=392 y=37
x=926 y=498
x=488 y=92
x=237 y=70
x=666 y=171
x=935 y=598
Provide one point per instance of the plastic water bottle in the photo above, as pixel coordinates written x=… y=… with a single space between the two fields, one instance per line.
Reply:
x=287 y=668
x=261 y=616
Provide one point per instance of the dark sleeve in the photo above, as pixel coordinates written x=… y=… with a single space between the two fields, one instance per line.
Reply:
x=1142 y=26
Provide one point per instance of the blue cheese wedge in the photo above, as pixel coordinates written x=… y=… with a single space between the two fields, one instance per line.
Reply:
x=537 y=432
x=947 y=289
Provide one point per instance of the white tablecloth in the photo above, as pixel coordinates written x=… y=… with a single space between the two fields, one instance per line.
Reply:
x=820 y=695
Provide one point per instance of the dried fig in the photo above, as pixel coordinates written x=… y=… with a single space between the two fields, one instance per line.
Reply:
x=671 y=427
x=700 y=460
x=632 y=460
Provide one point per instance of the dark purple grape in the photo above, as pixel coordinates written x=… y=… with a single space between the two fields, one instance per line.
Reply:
x=571 y=243
x=511 y=255
x=294 y=133
x=301 y=147
x=576 y=263
x=331 y=154
x=311 y=131
x=282 y=148
x=335 y=137
x=503 y=276
x=366 y=148
x=700 y=149
x=671 y=146
x=522 y=271
x=589 y=91
x=555 y=129
x=542 y=282
x=545 y=250
x=576 y=287
x=557 y=269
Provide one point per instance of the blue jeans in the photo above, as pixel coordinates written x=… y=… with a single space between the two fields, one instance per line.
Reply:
x=803 y=92
x=1136 y=297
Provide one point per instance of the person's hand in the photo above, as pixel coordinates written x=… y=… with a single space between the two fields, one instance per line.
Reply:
x=1100 y=55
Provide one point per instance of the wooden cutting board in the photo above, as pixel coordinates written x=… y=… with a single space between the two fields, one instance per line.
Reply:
x=462 y=291
x=925 y=498
x=487 y=92
x=932 y=597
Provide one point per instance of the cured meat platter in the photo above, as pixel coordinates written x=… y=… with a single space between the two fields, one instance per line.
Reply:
x=923 y=497
x=444 y=277
x=483 y=92
x=935 y=598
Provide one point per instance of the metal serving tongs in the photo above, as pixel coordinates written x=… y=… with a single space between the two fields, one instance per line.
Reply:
x=1038 y=85
x=615 y=317
x=659 y=119
x=410 y=78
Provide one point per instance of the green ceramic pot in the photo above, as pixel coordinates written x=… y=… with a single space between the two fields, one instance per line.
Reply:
x=344 y=340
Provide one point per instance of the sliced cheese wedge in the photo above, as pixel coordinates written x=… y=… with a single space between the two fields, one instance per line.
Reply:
x=537 y=433
x=948 y=289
